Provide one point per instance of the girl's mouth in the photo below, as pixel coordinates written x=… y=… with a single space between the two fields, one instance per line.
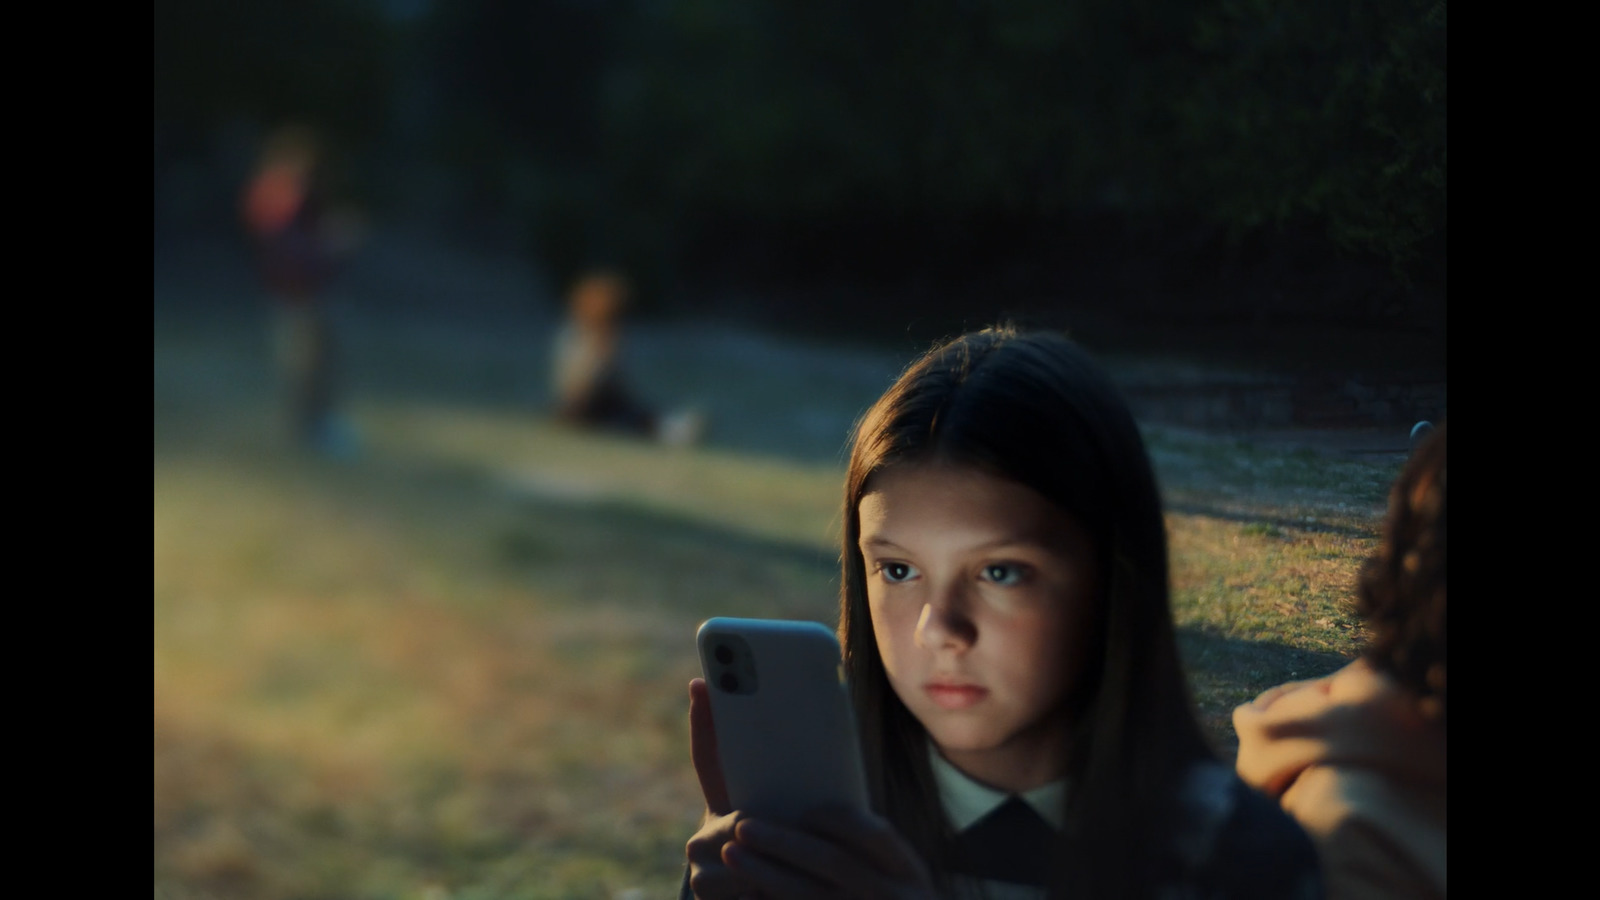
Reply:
x=955 y=696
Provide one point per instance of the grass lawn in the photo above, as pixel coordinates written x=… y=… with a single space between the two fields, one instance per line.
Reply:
x=456 y=667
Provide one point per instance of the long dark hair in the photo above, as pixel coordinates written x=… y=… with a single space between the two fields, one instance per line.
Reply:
x=1032 y=407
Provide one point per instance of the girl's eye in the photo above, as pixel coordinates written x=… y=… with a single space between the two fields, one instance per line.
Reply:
x=896 y=572
x=1003 y=574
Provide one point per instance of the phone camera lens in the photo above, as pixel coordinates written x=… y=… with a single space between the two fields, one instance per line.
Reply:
x=729 y=681
x=724 y=654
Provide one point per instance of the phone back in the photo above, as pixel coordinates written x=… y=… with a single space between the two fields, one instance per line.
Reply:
x=786 y=734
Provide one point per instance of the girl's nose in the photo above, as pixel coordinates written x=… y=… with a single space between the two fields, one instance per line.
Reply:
x=945 y=625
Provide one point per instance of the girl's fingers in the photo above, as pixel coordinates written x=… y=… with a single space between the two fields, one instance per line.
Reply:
x=703 y=749
x=719 y=883
x=876 y=841
x=709 y=876
x=821 y=860
x=773 y=879
x=706 y=845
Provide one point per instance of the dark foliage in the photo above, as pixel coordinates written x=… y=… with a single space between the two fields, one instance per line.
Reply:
x=326 y=63
x=883 y=138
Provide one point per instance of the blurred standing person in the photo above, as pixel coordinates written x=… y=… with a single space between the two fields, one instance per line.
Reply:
x=297 y=244
x=587 y=377
x=1358 y=757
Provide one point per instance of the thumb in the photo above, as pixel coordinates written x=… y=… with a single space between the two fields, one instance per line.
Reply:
x=703 y=749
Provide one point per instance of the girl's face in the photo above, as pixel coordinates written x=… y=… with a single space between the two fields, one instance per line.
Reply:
x=982 y=595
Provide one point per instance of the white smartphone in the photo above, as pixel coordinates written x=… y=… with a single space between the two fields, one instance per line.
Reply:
x=786 y=733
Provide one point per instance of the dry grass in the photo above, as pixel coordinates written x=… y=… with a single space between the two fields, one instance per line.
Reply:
x=457 y=667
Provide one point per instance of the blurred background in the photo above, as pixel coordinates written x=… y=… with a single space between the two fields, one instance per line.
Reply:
x=422 y=630
x=1216 y=163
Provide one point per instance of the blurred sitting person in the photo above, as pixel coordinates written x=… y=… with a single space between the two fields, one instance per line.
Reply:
x=297 y=243
x=587 y=377
x=1358 y=757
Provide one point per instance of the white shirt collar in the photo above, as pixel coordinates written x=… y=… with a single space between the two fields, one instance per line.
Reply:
x=966 y=801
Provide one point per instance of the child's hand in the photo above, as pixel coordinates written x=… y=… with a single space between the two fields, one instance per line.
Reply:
x=709 y=876
x=703 y=749
x=829 y=852
x=834 y=852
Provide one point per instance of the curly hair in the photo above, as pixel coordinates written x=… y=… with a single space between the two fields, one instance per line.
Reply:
x=1401 y=591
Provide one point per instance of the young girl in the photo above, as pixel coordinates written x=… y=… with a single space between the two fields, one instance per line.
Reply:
x=1006 y=629
x=590 y=391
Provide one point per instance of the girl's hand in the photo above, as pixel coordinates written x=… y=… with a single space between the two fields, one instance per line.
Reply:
x=837 y=852
x=832 y=852
x=703 y=749
x=709 y=876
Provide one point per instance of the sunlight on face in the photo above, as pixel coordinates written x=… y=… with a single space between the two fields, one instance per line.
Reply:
x=981 y=592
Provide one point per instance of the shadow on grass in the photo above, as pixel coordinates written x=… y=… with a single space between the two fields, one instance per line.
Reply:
x=1225 y=672
x=635 y=553
x=626 y=520
x=1267 y=518
x=464 y=525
